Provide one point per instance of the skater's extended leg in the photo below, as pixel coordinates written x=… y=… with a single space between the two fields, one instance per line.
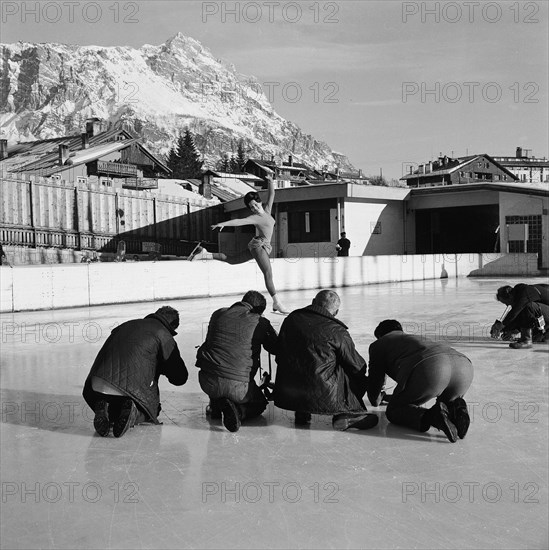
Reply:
x=264 y=263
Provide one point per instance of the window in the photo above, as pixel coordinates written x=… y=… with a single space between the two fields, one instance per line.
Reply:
x=107 y=182
x=307 y=227
x=81 y=180
x=534 y=242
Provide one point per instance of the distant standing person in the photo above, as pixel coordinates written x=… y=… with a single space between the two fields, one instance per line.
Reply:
x=343 y=245
x=3 y=257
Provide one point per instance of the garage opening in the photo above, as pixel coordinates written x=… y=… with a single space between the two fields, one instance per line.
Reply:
x=458 y=229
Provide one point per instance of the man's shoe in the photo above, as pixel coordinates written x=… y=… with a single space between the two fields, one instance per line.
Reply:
x=101 y=421
x=459 y=415
x=525 y=341
x=127 y=418
x=231 y=415
x=213 y=411
x=302 y=418
x=521 y=344
x=439 y=418
x=344 y=421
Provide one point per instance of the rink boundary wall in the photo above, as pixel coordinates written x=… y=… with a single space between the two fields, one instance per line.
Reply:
x=39 y=287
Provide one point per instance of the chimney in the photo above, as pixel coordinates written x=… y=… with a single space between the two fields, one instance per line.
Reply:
x=290 y=160
x=205 y=188
x=360 y=172
x=420 y=169
x=337 y=171
x=519 y=152
x=429 y=167
x=94 y=126
x=85 y=140
x=3 y=149
x=63 y=154
x=445 y=160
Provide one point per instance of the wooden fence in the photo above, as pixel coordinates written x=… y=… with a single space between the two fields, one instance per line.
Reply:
x=40 y=212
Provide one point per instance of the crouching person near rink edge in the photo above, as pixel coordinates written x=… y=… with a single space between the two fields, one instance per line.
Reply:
x=529 y=314
x=230 y=357
x=319 y=370
x=122 y=386
x=423 y=370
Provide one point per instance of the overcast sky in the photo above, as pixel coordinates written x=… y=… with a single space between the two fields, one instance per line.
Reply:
x=385 y=83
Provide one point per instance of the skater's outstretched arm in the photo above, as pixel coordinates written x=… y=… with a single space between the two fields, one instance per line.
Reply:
x=249 y=220
x=271 y=193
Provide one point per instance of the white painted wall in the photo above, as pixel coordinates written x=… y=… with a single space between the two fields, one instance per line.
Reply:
x=35 y=287
x=360 y=220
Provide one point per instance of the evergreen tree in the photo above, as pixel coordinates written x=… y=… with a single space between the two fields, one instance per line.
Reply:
x=184 y=159
x=173 y=161
x=233 y=165
x=240 y=157
x=223 y=163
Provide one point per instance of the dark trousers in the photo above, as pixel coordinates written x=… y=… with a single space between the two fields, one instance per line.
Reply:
x=246 y=395
x=115 y=405
x=528 y=317
x=444 y=377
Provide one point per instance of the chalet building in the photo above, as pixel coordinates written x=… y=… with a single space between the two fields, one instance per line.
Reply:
x=113 y=158
x=287 y=174
x=294 y=174
x=527 y=169
x=337 y=176
x=456 y=171
x=260 y=167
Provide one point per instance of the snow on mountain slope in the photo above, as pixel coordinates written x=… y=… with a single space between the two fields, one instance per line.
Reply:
x=48 y=90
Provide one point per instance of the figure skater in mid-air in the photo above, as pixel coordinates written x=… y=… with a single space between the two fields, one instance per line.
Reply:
x=260 y=246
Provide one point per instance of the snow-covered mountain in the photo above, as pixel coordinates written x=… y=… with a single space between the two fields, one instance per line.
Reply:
x=48 y=90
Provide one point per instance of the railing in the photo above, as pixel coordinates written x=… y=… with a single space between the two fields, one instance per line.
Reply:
x=140 y=183
x=51 y=238
x=116 y=168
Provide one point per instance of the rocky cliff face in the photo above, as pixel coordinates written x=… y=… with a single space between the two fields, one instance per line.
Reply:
x=48 y=90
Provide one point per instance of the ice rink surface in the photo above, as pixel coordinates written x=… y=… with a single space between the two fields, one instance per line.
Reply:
x=191 y=484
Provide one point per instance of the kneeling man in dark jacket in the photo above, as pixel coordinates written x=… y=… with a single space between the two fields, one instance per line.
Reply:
x=529 y=313
x=423 y=370
x=318 y=368
x=122 y=386
x=230 y=357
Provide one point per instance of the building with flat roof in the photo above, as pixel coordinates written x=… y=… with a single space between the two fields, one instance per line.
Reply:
x=526 y=168
x=478 y=217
